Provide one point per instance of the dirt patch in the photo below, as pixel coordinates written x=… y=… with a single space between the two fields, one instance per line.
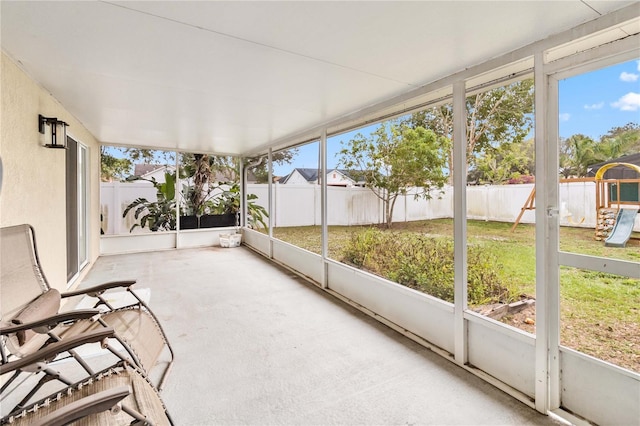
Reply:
x=617 y=343
x=524 y=320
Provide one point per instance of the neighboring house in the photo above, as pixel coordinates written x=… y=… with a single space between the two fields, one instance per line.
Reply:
x=335 y=177
x=300 y=175
x=342 y=177
x=149 y=171
x=251 y=176
x=157 y=171
x=224 y=177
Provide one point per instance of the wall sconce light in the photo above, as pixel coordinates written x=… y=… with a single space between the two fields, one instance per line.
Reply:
x=53 y=122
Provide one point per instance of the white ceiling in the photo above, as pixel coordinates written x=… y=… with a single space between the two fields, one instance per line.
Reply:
x=228 y=77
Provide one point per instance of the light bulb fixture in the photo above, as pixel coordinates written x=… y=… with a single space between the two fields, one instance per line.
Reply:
x=53 y=122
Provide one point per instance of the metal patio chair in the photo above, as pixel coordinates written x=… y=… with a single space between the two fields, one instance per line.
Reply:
x=26 y=298
x=117 y=395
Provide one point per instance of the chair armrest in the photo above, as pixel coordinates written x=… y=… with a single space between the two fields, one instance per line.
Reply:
x=92 y=404
x=52 y=350
x=99 y=289
x=51 y=321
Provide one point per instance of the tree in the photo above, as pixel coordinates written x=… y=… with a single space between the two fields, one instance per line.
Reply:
x=395 y=158
x=508 y=162
x=113 y=168
x=196 y=172
x=577 y=153
x=116 y=162
x=619 y=141
x=500 y=115
x=149 y=156
x=259 y=165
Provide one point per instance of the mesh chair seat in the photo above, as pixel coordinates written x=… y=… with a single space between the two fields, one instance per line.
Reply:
x=28 y=297
x=142 y=400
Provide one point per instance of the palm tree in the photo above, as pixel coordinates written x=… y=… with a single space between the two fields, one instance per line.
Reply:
x=578 y=153
x=620 y=141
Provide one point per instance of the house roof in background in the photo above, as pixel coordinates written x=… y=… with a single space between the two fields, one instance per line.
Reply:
x=311 y=174
x=145 y=169
x=351 y=174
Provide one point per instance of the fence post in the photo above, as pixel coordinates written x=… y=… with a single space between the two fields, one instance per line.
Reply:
x=117 y=222
x=486 y=203
x=276 y=191
x=350 y=198
x=405 y=208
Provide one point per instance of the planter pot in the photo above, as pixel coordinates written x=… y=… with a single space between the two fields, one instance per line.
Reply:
x=188 y=222
x=230 y=240
x=217 y=220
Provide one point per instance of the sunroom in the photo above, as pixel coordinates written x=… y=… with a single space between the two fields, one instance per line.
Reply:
x=256 y=82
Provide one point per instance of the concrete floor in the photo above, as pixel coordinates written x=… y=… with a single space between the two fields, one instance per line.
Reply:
x=257 y=345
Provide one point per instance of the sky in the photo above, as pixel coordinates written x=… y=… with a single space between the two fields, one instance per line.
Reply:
x=308 y=154
x=590 y=104
x=595 y=102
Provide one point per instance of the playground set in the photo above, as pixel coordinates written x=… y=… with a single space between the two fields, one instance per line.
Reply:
x=617 y=203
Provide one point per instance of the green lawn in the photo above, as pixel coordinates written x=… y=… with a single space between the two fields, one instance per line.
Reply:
x=600 y=313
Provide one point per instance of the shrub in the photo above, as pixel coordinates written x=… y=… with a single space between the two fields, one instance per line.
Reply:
x=425 y=263
x=519 y=179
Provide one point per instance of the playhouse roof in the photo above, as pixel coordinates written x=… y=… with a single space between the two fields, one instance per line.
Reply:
x=618 y=172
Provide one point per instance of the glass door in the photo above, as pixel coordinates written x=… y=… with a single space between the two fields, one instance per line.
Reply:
x=592 y=281
x=77 y=177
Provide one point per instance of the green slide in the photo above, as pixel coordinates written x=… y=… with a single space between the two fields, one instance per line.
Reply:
x=622 y=229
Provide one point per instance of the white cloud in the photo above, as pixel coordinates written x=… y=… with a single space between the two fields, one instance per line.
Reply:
x=594 y=106
x=629 y=102
x=628 y=77
x=565 y=116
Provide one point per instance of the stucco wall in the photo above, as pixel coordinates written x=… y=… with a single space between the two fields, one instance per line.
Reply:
x=33 y=188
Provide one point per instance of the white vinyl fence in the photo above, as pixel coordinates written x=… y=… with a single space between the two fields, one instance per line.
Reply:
x=299 y=205
x=114 y=199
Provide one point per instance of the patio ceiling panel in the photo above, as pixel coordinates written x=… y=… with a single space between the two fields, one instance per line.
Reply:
x=229 y=77
x=409 y=42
